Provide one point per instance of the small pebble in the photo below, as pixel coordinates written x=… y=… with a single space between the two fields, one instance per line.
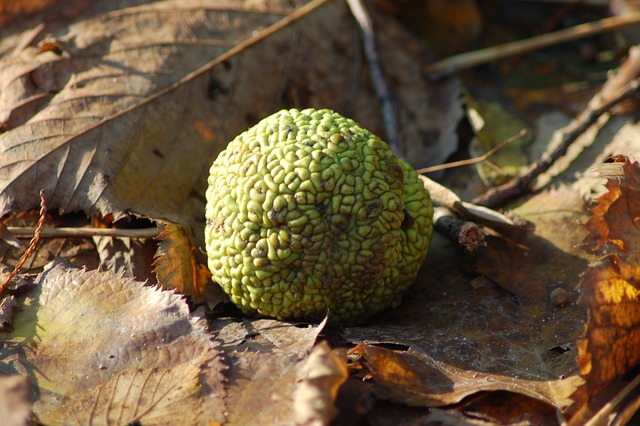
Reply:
x=559 y=297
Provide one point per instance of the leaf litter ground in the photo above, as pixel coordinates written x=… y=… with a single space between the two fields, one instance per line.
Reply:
x=469 y=325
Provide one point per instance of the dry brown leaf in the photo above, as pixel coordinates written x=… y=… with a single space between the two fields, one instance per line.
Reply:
x=176 y=267
x=416 y=379
x=78 y=330
x=15 y=407
x=16 y=9
x=504 y=408
x=265 y=358
x=610 y=289
x=320 y=378
x=458 y=332
x=158 y=396
x=130 y=257
x=612 y=226
x=131 y=110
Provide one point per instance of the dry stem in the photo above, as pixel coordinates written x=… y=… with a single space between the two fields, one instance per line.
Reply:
x=526 y=178
x=32 y=244
x=470 y=59
x=86 y=232
x=385 y=94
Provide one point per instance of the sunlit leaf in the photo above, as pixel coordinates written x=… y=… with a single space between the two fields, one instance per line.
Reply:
x=320 y=378
x=15 y=407
x=610 y=289
x=176 y=267
x=79 y=330
x=152 y=396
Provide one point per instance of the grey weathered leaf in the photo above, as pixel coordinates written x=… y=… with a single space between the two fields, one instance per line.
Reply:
x=265 y=358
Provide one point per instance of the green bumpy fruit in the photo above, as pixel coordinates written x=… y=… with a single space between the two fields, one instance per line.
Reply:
x=308 y=214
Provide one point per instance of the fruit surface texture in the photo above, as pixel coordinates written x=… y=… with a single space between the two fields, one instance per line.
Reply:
x=309 y=214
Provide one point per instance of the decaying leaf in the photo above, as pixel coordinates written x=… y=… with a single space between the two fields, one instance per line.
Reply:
x=87 y=337
x=416 y=379
x=321 y=376
x=15 y=407
x=610 y=289
x=265 y=358
x=130 y=257
x=176 y=267
x=492 y=327
x=158 y=396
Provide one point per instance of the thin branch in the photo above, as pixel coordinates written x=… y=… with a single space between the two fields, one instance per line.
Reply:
x=452 y=201
x=458 y=220
x=600 y=417
x=385 y=94
x=526 y=178
x=471 y=59
x=465 y=233
x=86 y=232
x=32 y=244
x=474 y=160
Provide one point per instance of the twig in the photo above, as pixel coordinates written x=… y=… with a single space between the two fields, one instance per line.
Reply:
x=449 y=199
x=471 y=59
x=600 y=417
x=466 y=234
x=385 y=95
x=32 y=244
x=474 y=160
x=525 y=179
x=86 y=232
x=582 y=2
x=456 y=219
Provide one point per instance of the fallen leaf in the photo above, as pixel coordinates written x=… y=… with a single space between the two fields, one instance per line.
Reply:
x=176 y=267
x=15 y=9
x=610 y=289
x=15 y=407
x=613 y=223
x=504 y=408
x=159 y=396
x=82 y=334
x=493 y=124
x=129 y=257
x=459 y=332
x=265 y=358
x=416 y=379
x=320 y=378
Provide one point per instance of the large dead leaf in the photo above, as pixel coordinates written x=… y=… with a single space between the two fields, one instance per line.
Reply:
x=611 y=287
x=265 y=359
x=151 y=396
x=15 y=407
x=130 y=108
x=128 y=351
x=416 y=379
x=459 y=333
